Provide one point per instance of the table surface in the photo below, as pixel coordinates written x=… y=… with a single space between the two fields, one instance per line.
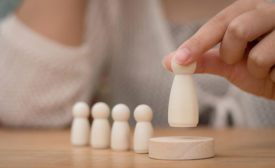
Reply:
x=52 y=148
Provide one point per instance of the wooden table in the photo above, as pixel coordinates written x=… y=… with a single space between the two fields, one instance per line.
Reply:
x=52 y=148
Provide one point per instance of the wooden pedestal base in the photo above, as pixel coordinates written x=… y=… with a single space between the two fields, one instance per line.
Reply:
x=181 y=147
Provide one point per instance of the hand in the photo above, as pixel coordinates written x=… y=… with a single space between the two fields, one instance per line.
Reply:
x=246 y=56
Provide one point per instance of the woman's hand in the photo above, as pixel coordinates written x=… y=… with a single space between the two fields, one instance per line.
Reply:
x=246 y=57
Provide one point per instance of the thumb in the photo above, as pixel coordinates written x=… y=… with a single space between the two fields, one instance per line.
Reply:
x=211 y=63
x=237 y=74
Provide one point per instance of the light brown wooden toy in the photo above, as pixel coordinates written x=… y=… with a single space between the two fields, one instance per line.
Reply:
x=181 y=147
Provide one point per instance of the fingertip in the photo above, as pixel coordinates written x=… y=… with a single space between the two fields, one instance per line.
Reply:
x=227 y=57
x=163 y=62
x=255 y=69
x=169 y=60
x=209 y=62
x=166 y=62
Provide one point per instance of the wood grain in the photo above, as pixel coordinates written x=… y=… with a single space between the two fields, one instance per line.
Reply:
x=52 y=149
x=181 y=147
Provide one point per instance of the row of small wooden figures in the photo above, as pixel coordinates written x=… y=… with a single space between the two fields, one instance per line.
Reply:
x=101 y=136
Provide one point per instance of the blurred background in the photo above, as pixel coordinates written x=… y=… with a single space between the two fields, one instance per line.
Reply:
x=142 y=30
x=178 y=11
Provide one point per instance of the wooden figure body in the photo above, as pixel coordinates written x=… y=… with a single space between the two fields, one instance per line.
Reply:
x=120 y=135
x=183 y=103
x=80 y=127
x=100 y=129
x=144 y=130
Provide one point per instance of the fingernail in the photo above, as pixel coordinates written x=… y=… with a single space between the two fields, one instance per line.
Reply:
x=182 y=55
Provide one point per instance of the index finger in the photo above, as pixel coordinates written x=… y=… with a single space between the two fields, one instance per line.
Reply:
x=212 y=32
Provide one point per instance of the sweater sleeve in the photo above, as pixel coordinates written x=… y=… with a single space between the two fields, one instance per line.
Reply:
x=40 y=78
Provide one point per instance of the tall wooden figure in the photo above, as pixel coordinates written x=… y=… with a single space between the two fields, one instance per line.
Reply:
x=183 y=103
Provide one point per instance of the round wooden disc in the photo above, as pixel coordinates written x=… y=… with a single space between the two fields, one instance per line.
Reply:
x=181 y=147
